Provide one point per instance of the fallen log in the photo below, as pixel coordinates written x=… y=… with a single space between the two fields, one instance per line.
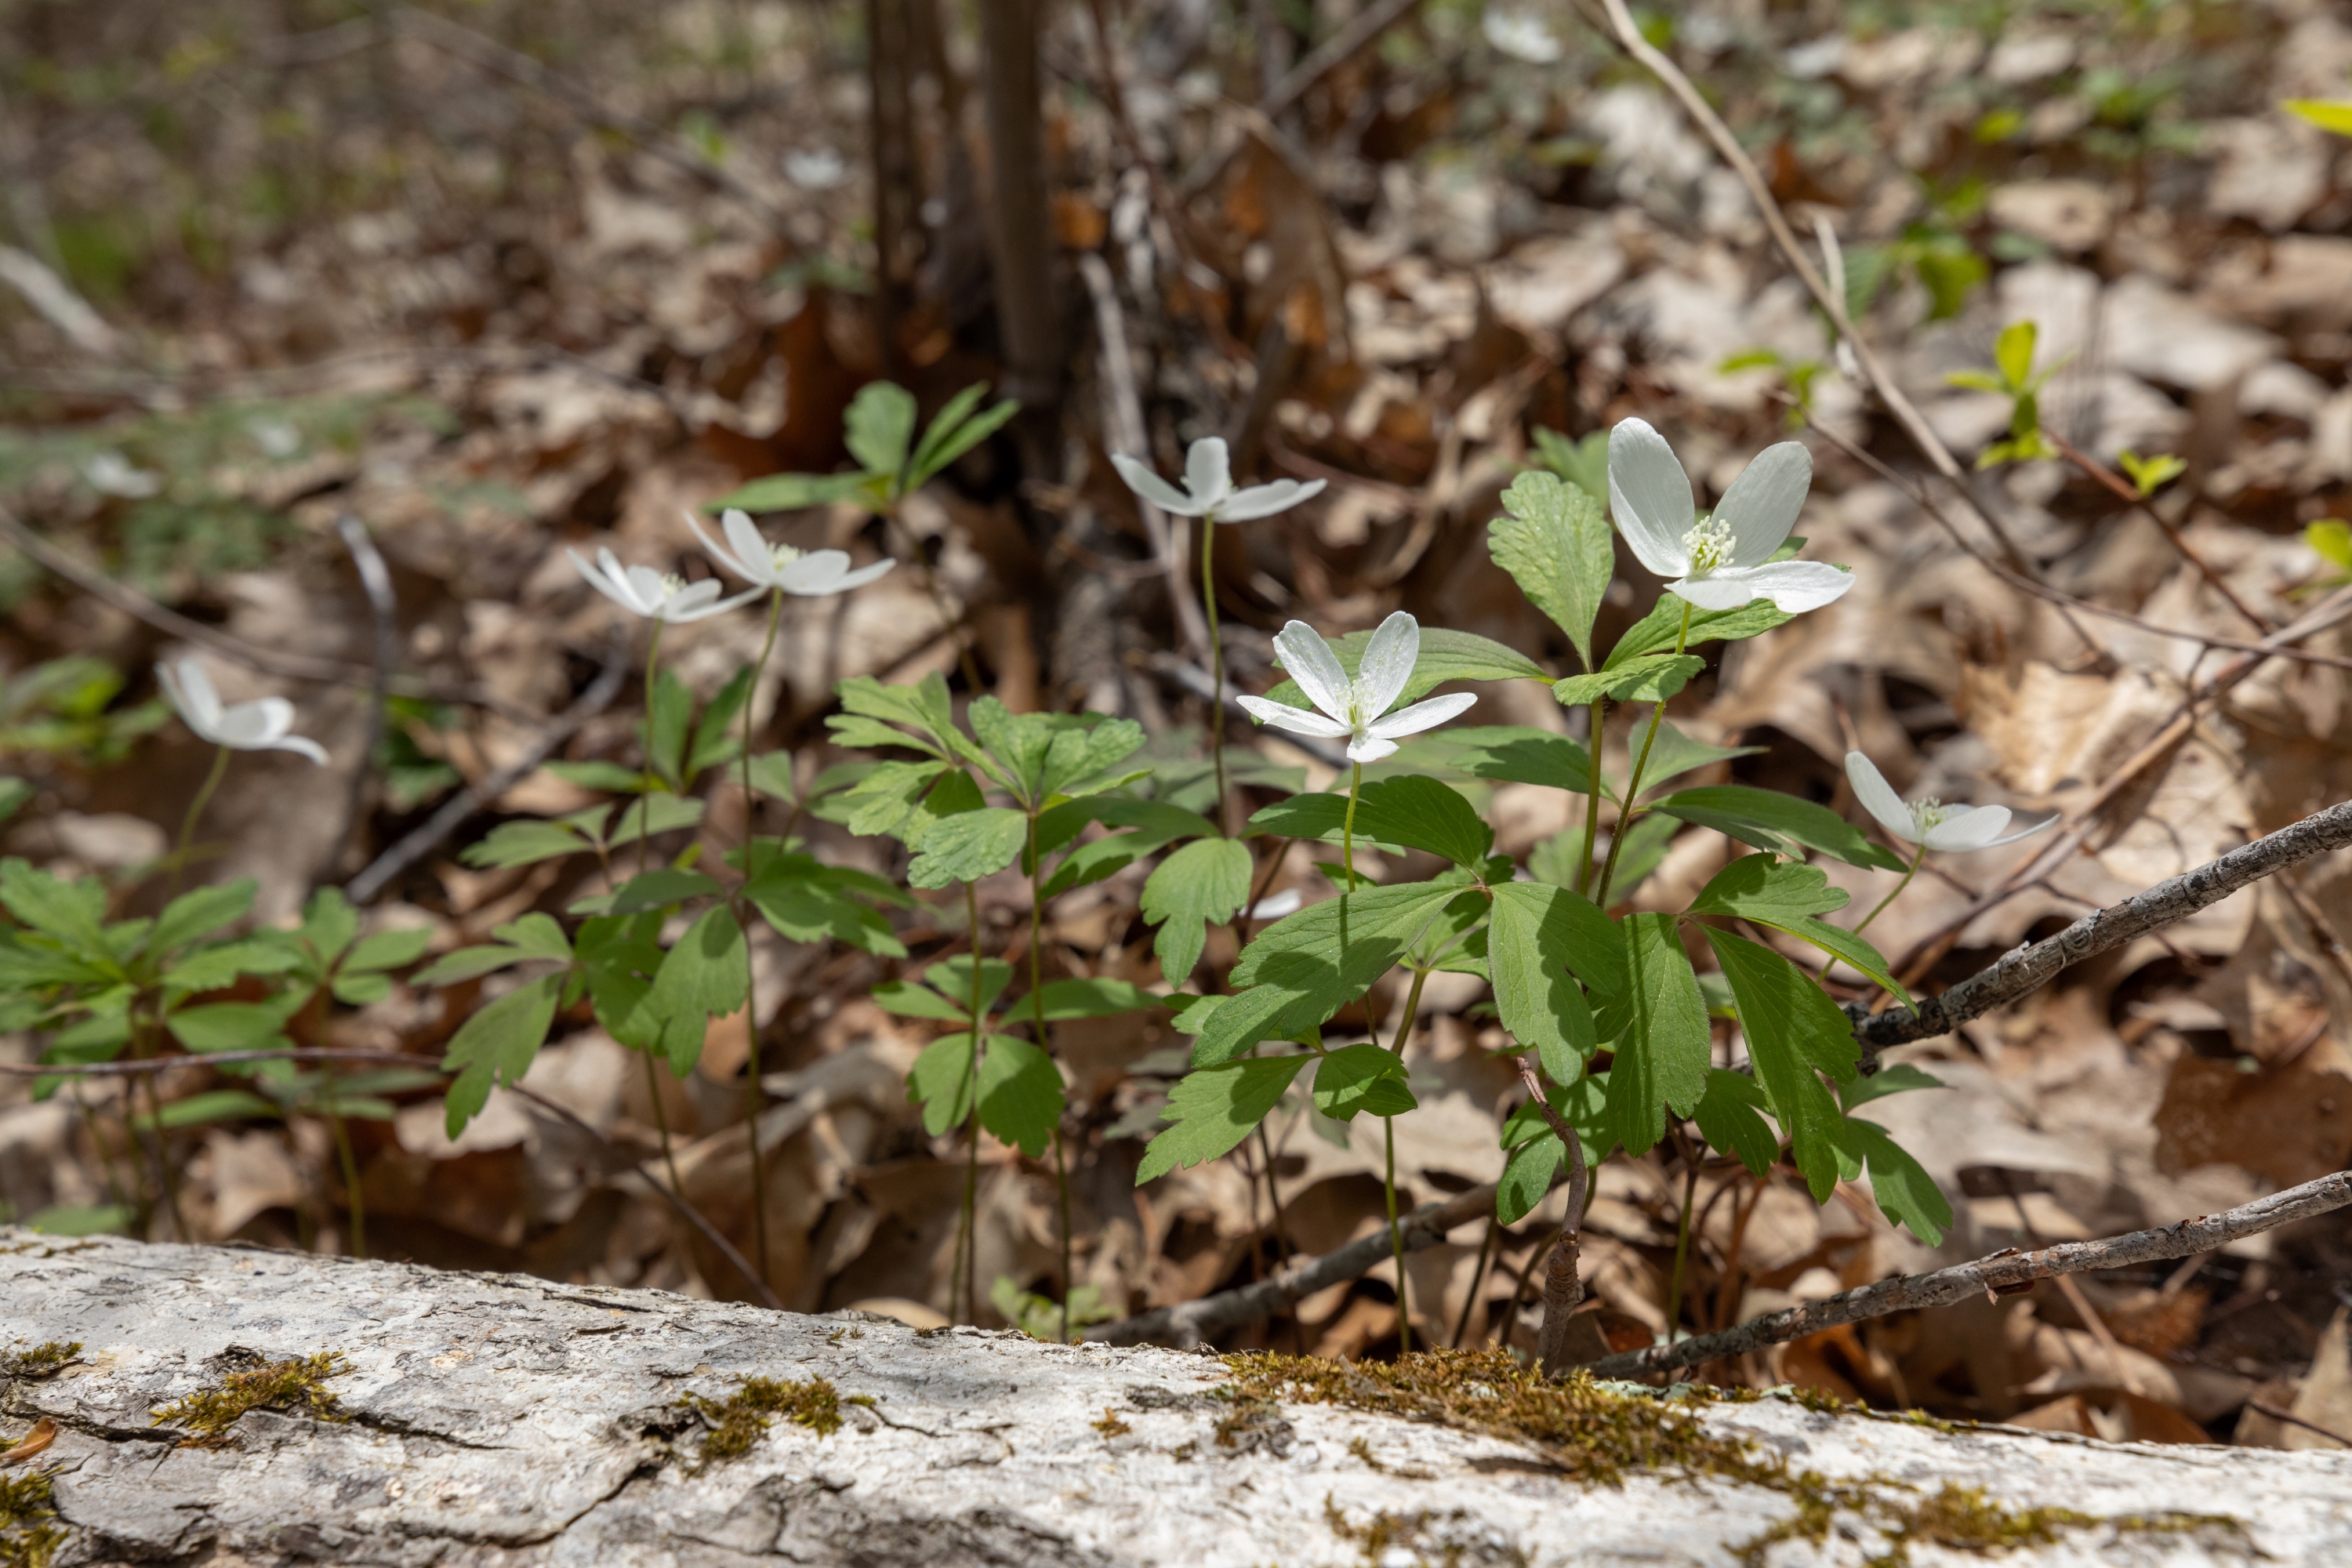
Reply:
x=211 y=1404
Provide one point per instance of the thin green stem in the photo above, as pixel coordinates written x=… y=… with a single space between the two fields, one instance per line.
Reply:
x=1682 y=1242
x=350 y=1162
x=1348 y=828
x=1396 y=1235
x=1634 y=783
x=970 y=1242
x=1037 y=1013
x=661 y=1124
x=1897 y=893
x=195 y=814
x=1217 y=663
x=644 y=809
x=165 y=1175
x=1597 y=715
x=753 y=1096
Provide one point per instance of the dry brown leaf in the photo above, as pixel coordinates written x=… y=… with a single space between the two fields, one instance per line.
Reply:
x=32 y=1444
x=2289 y=1126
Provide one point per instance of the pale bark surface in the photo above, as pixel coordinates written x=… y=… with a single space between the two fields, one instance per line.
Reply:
x=508 y=1420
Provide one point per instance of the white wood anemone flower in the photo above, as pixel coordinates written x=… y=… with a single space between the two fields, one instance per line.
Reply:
x=1353 y=709
x=1209 y=490
x=810 y=574
x=1726 y=561
x=1930 y=823
x=657 y=597
x=262 y=725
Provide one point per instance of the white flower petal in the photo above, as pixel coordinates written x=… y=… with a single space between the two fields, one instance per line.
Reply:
x=1152 y=488
x=646 y=588
x=190 y=691
x=1265 y=501
x=1208 y=472
x=1370 y=749
x=1971 y=829
x=1794 y=587
x=1307 y=660
x=301 y=746
x=1298 y=721
x=1715 y=591
x=863 y=575
x=603 y=582
x=1763 y=504
x=250 y=726
x=1422 y=716
x=726 y=559
x=1878 y=797
x=750 y=546
x=1387 y=664
x=818 y=572
x=2048 y=821
x=1274 y=906
x=1650 y=496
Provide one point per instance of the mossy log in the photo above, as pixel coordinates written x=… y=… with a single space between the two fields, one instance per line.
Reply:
x=322 y=1410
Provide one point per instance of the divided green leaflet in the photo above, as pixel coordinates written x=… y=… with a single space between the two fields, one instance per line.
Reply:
x=940 y=1082
x=1656 y=632
x=1728 y=1118
x=1208 y=880
x=1213 y=1109
x=1520 y=753
x=497 y=1044
x=879 y=426
x=1020 y=1092
x=1413 y=810
x=1907 y=1193
x=1788 y=896
x=1533 y=933
x=202 y=913
x=968 y=846
x=1653 y=678
x=1361 y=1079
x=1795 y=1033
x=1305 y=967
x=1661 y=1061
x=1768 y=820
x=707 y=974
x=1556 y=543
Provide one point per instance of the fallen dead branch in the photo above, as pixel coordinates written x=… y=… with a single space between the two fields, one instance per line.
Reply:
x=2002 y=1271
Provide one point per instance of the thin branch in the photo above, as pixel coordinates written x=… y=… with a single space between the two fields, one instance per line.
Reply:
x=1191 y=1323
x=2006 y=1270
x=2029 y=968
x=1321 y=62
x=363 y=888
x=2128 y=493
x=1564 y=1284
x=253 y=656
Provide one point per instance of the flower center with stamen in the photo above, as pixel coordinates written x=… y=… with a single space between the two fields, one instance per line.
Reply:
x=672 y=586
x=1928 y=815
x=783 y=555
x=1710 y=545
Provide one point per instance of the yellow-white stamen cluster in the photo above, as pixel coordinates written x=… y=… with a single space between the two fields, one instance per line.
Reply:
x=1710 y=545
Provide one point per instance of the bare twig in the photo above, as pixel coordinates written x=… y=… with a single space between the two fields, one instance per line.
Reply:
x=1123 y=424
x=1191 y=1323
x=2292 y=1419
x=2029 y=968
x=383 y=611
x=253 y=656
x=2128 y=493
x=363 y=888
x=1321 y=62
x=2004 y=1271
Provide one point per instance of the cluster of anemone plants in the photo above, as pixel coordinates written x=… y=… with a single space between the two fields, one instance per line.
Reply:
x=1616 y=1026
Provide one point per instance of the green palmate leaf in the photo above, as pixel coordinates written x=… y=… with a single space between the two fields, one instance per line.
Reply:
x=2012 y=352
x=211 y=968
x=940 y=1082
x=1536 y=1152
x=538 y=935
x=879 y=426
x=790 y=492
x=388 y=949
x=672 y=711
x=497 y=1044
x=1534 y=936
x=1656 y=632
x=772 y=775
x=952 y=977
x=1154 y=825
x=1895 y=1077
x=1770 y=820
x=1675 y=754
x=659 y=887
x=954 y=795
x=1555 y=543
x=707 y=974
x=1584 y=464
x=1662 y=1061
x=1653 y=678
x=911 y=1001
x=1786 y=897
x=611 y=777
x=1305 y=967
x=524 y=843
x=73 y=912
x=330 y=925
x=718 y=738
x=1905 y=1193
x=1519 y=753
x=886 y=798
x=968 y=846
x=1213 y=1109
x=1727 y=1117
x=470 y=963
x=206 y=910
x=922 y=706
x=30 y=964
x=1207 y=880
x=233 y=1025
x=1015 y=743
x=805 y=900
x=1444 y=655
x=656 y=814
x=1795 y=1033
x=957 y=430
x=1094 y=999
x=1020 y=1094
x=1361 y=1079
x=618 y=956
x=360 y=990
x=1414 y=810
